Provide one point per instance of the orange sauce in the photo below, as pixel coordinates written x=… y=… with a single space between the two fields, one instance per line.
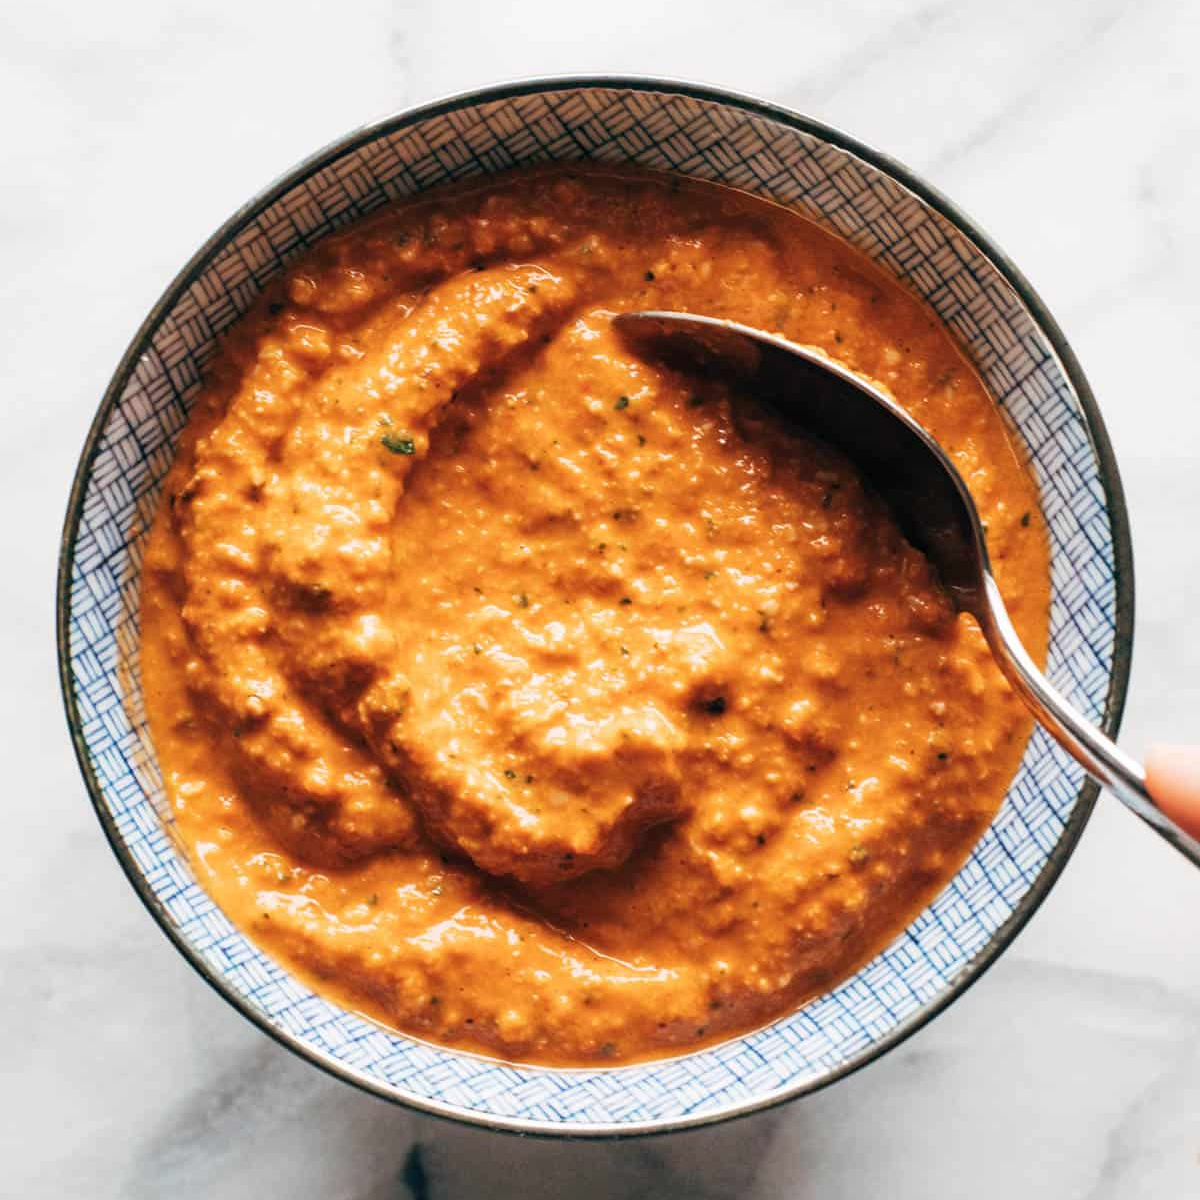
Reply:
x=535 y=698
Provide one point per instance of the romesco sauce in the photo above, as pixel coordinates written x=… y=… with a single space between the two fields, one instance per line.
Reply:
x=534 y=698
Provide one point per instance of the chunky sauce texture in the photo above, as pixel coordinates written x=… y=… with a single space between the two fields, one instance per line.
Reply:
x=537 y=699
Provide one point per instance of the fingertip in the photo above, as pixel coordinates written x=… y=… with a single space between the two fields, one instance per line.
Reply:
x=1173 y=780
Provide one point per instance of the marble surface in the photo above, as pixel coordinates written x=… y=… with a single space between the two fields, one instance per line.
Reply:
x=1068 y=129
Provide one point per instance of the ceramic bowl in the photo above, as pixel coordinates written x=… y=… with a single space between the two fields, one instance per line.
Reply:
x=882 y=208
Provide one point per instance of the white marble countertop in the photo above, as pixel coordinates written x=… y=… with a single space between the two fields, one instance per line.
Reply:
x=1069 y=129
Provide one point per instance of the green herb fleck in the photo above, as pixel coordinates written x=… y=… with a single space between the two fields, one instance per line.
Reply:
x=622 y=402
x=649 y=276
x=1025 y=519
x=398 y=445
x=510 y=774
x=626 y=600
x=523 y=600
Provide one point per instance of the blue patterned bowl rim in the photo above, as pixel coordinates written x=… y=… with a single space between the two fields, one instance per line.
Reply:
x=1109 y=474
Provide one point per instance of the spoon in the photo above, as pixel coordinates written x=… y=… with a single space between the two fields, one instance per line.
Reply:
x=927 y=496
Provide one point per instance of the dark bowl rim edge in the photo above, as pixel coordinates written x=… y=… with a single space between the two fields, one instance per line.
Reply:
x=1097 y=433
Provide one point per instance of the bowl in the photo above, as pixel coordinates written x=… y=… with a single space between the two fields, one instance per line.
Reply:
x=867 y=198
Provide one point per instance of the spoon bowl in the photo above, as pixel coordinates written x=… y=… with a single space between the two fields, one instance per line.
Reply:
x=927 y=495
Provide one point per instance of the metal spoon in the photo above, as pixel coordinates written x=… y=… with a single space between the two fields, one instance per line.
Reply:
x=928 y=498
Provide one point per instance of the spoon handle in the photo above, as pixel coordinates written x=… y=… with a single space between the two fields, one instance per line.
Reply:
x=1099 y=755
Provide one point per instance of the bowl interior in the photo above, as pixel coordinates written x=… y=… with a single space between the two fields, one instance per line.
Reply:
x=710 y=136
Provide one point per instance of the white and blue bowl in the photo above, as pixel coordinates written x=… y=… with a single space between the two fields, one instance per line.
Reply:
x=888 y=213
